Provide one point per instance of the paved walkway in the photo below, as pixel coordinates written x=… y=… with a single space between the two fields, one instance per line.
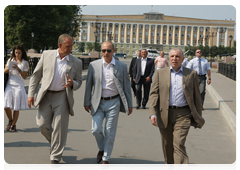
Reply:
x=137 y=141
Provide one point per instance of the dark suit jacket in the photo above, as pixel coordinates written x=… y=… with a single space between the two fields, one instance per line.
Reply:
x=159 y=96
x=149 y=71
x=132 y=64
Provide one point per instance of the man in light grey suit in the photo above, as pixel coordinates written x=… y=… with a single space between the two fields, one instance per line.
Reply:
x=107 y=92
x=61 y=74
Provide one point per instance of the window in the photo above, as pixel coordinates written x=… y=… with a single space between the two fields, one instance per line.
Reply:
x=134 y=46
x=176 y=42
x=165 y=27
x=122 y=39
x=140 y=26
x=194 y=35
x=164 y=34
x=140 y=46
x=170 y=41
x=140 y=40
x=170 y=47
x=110 y=25
x=206 y=42
x=116 y=39
x=121 y=45
x=164 y=41
x=189 y=28
x=152 y=33
x=183 y=28
x=146 y=40
x=128 y=46
x=122 y=32
x=182 y=34
x=146 y=26
x=158 y=41
x=116 y=25
x=170 y=28
x=134 y=40
x=164 y=47
x=188 y=35
x=134 y=26
x=104 y=39
x=128 y=26
x=116 y=32
x=195 y=29
x=153 y=27
x=84 y=37
x=134 y=32
x=201 y=29
x=128 y=40
x=122 y=25
x=152 y=40
x=158 y=27
x=146 y=33
x=84 y=31
x=194 y=42
x=128 y=33
x=207 y=29
x=188 y=42
x=140 y=33
x=176 y=28
x=170 y=34
x=176 y=35
x=182 y=42
x=158 y=34
x=104 y=25
x=115 y=45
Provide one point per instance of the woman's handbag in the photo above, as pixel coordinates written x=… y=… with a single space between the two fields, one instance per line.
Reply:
x=5 y=80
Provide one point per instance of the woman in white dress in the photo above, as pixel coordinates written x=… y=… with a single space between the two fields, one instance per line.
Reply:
x=15 y=97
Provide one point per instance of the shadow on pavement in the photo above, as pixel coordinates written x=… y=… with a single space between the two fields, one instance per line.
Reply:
x=117 y=162
x=38 y=130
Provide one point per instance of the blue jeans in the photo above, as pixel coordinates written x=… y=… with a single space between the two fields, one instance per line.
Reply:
x=108 y=109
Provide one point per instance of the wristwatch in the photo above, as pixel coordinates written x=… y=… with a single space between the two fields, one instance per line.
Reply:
x=209 y=78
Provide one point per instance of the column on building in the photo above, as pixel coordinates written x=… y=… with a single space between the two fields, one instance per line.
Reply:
x=155 y=34
x=113 y=32
x=149 y=34
x=88 y=38
x=226 y=38
x=185 y=35
x=179 y=34
x=198 y=30
x=161 y=35
x=173 y=36
x=143 y=34
x=125 y=33
x=101 y=33
x=107 y=31
x=218 y=29
x=204 y=36
x=119 y=32
x=191 y=43
x=131 y=34
x=167 y=35
x=137 y=34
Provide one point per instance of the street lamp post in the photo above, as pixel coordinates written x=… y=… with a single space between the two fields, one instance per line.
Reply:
x=32 y=38
x=221 y=30
x=95 y=33
x=230 y=39
x=211 y=46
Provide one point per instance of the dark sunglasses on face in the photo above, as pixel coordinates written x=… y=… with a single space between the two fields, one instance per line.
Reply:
x=198 y=51
x=108 y=50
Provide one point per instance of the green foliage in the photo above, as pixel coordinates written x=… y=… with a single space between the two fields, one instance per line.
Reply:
x=47 y=22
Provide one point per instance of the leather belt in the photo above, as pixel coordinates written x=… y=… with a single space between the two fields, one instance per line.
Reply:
x=176 y=107
x=109 y=98
x=202 y=75
x=51 y=91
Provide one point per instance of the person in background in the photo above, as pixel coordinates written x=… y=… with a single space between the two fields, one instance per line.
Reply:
x=15 y=97
x=185 y=62
x=202 y=67
x=132 y=64
x=161 y=61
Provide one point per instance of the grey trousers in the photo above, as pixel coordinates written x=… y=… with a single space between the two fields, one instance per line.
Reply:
x=174 y=136
x=202 y=87
x=52 y=119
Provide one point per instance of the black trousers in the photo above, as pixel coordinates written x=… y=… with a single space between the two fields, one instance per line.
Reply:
x=133 y=85
x=146 y=89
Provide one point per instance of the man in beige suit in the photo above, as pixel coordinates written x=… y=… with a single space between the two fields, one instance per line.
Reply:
x=175 y=105
x=61 y=74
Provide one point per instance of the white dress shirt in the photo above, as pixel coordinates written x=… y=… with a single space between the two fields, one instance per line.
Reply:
x=109 y=88
x=59 y=74
x=193 y=64
x=143 y=65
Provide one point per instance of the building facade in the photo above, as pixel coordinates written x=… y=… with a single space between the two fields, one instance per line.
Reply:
x=130 y=33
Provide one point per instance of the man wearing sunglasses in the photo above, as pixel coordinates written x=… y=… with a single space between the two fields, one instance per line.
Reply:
x=107 y=92
x=202 y=67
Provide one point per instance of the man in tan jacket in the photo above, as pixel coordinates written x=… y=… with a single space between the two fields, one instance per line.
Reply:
x=175 y=105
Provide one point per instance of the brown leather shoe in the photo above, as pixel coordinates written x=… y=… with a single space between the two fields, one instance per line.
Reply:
x=54 y=162
x=202 y=108
x=105 y=165
x=99 y=156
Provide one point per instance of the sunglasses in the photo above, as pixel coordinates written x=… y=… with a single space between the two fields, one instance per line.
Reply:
x=108 y=50
x=198 y=51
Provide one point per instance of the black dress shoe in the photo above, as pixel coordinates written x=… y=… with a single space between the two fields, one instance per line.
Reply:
x=144 y=107
x=99 y=156
x=55 y=164
x=137 y=107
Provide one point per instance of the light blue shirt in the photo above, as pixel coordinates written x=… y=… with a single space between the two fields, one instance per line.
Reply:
x=193 y=64
x=177 y=97
x=185 y=62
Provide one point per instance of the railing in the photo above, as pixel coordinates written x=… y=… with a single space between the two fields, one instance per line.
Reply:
x=228 y=70
x=86 y=61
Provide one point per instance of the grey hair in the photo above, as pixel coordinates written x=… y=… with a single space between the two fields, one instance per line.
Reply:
x=176 y=49
x=62 y=38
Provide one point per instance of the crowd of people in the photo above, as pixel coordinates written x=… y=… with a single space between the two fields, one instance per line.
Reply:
x=175 y=93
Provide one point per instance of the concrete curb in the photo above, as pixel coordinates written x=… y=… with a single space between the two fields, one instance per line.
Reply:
x=227 y=113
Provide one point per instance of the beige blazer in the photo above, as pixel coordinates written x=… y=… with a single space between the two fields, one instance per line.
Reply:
x=45 y=71
x=159 y=96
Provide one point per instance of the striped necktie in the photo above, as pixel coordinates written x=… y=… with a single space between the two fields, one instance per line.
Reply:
x=199 y=66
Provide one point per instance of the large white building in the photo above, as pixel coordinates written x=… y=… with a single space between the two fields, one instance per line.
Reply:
x=130 y=33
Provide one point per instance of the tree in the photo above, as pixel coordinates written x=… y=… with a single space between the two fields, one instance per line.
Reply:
x=47 y=22
x=81 y=46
